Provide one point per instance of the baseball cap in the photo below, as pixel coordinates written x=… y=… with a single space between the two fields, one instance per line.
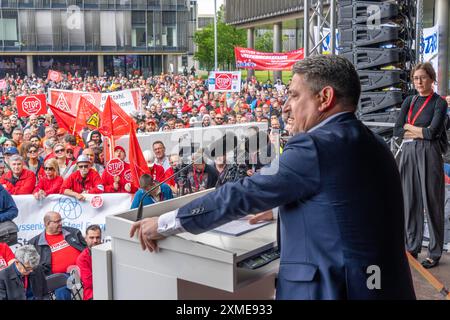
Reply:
x=119 y=148
x=83 y=158
x=11 y=150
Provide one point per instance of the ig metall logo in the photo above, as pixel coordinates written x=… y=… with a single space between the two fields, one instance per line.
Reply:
x=73 y=17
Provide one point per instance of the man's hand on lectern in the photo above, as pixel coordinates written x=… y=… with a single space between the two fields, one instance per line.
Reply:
x=147 y=230
x=262 y=216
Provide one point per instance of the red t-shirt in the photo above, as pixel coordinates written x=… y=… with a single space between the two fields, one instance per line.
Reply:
x=63 y=254
x=5 y=255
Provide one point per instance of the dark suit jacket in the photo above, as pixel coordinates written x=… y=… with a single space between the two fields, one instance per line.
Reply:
x=341 y=211
x=11 y=287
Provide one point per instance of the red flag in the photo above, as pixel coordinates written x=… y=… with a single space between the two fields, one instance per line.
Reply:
x=138 y=165
x=115 y=121
x=54 y=76
x=87 y=115
x=64 y=119
x=32 y=104
x=67 y=121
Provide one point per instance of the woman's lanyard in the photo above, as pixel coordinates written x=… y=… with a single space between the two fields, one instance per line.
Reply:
x=420 y=110
x=196 y=181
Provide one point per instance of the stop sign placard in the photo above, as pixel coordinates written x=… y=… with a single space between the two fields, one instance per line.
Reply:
x=34 y=104
x=115 y=167
x=223 y=81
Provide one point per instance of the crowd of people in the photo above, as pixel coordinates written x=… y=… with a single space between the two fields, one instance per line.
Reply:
x=39 y=158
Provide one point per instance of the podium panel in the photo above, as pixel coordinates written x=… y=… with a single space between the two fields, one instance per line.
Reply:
x=187 y=266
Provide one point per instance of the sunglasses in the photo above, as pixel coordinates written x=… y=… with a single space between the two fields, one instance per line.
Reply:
x=84 y=166
x=69 y=151
x=49 y=169
x=59 y=150
x=32 y=151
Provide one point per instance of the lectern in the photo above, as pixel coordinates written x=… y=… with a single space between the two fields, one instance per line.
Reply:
x=187 y=266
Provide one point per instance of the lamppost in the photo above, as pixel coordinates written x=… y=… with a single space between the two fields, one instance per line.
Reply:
x=215 y=35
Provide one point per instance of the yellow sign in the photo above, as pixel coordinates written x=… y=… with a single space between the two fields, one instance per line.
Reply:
x=94 y=120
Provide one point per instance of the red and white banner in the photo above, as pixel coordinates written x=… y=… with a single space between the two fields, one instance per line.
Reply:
x=128 y=100
x=224 y=81
x=54 y=76
x=252 y=59
x=33 y=104
x=3 y=84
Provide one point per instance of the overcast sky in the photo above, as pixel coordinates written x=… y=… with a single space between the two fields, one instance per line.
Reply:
x=207 y=6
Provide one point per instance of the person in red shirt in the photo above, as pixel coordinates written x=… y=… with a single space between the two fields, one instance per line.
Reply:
x=6 y=256
x=59 y=248
x=84 y=261
x=156 y=171
x=19 y=180
x=51 y=182
x=84 y=180
x=118 y=183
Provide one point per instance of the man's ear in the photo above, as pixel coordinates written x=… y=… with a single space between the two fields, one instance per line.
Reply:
x=327 y=98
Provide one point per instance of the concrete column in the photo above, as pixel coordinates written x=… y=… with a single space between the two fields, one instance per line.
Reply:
x=277 y=45
x=250 y=44
x=100 y=65
x=442 y=16
x=30 y=67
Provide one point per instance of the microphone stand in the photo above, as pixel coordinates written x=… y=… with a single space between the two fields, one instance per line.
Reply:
x=141 y=203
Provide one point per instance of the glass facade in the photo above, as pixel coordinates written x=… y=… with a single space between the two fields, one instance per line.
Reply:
x=133 y=65
x=94 y=25
x=84 y=65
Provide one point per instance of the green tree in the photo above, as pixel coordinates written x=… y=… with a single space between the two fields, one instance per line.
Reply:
x=228 y=37
x=264 y=42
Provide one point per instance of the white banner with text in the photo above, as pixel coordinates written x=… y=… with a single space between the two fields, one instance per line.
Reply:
x=74 y=213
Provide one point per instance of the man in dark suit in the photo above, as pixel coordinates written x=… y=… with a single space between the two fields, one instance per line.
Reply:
x=339 y=192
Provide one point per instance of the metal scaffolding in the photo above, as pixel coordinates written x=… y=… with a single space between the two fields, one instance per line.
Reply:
x=315 y=13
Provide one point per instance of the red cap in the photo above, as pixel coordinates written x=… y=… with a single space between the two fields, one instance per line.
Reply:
x=119 y=148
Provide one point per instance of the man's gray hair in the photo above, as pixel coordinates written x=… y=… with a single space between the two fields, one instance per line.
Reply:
x=15 y=157
x=49 y=144
x=28 y=255
x=334 y=71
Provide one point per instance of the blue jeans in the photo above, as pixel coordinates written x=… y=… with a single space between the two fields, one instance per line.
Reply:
x=63 y=293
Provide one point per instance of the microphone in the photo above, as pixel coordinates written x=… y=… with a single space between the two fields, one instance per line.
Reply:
x=227 y=142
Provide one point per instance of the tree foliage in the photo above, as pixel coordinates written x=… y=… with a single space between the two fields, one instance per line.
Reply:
x=228 y=37
x=264 y=42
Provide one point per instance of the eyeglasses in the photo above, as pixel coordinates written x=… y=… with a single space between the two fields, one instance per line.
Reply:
x=59 y=150
x=423 y=78
x=49 y=169
x=84 y=166
x=32 y=151
x=69 y=151
x=27 y=269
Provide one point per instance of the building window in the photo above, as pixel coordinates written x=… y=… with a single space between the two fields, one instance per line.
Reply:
x=138 y=29
x=9 y=31
x=205 y=21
